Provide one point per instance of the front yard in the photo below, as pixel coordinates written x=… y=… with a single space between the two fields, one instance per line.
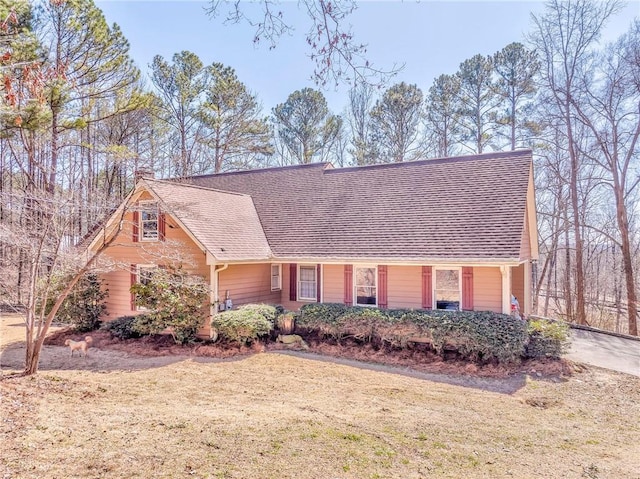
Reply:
x=115 y=415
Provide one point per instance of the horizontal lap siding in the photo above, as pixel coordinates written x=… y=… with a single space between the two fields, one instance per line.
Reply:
x=248 y=283
x=404 y=286
x=333 y=282
x=124 y=252
x=487 y=289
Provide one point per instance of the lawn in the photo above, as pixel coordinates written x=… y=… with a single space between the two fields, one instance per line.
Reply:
x=270 y=415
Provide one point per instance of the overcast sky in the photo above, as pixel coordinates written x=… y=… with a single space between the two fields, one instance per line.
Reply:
x=429 y=37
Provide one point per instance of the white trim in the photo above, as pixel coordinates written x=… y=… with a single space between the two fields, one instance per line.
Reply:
x=355 y=284
x=434 y=282
x=315 y=281
x=279 y=286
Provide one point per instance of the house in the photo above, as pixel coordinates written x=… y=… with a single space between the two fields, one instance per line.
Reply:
x=450 y=233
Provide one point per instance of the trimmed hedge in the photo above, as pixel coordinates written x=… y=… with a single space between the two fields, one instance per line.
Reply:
x=547 y=339
x=242 y=325
x=476 y=335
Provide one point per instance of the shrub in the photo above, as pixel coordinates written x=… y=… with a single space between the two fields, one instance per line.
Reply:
x=476 y=335
x=266 y=310
x=547 y=339
x=321 y=317
x=241 y=326
x=122 y=327
x=175 y=300
x=84 y=305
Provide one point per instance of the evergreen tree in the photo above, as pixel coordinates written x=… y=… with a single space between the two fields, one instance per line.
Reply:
x=395 y=121
x=235 y=132
x=305 y=126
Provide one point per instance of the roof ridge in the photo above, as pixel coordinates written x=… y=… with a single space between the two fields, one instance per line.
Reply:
x=176 y=182
x=448 y=159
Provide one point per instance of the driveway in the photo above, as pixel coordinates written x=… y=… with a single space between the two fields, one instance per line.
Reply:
x=605 y=351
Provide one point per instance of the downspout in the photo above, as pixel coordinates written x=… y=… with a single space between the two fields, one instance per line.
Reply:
x=215 y=300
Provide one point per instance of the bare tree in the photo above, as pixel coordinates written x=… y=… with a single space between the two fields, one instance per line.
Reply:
x=337 y=55
x=564 y=36
x=607 y=103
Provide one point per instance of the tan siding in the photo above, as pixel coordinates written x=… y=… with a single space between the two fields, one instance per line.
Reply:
x=404 y=286
x=517 y=284
x=487 y=289
x=124 y=252
x=248 y=283
x=333 y=283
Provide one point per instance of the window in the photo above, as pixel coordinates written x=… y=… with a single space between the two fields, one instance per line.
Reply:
x=149 y=221
x=276 y=277
x=446 y=291
x=307 y=283
x=366 y=290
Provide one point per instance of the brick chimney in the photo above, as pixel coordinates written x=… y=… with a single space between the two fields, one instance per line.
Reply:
x=143 y=173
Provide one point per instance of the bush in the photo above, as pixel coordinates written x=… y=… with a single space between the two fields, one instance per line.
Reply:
x=84 y=305
x=547 y=339
x=476 y=335
x=321 y=317
x=122 y=327
x=241 y=326
x=175 y=300
x=266 y=310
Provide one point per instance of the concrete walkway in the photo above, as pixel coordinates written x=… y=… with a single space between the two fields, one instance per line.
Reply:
x=605 y=351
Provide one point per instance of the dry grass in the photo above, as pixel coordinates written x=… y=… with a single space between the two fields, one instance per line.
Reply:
x=277 y=416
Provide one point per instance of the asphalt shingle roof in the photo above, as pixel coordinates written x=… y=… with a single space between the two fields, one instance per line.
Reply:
x=444 y=209
x=226 y=224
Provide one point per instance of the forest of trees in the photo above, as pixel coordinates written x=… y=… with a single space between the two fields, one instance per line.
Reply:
x=78 y=121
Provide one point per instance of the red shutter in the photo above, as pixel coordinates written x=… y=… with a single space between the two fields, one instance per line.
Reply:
x=136 y=226
x=293 y=282
x=318 y=282
x=467 y=288
x=382 y=286
x=162 y=226
x=348 y=284
x=427 y=288
x=134 y=280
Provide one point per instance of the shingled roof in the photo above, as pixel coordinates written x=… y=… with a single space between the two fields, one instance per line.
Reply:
x=451 y=209
x=225 y=223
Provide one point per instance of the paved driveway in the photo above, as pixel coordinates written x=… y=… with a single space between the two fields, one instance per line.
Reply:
x=605 y=351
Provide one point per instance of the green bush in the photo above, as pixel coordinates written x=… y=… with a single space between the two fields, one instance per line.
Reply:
x=241 y=326
x=476 y=335
x=266 y=310
x=321 y=317
x=547 y=339
x=122 y=327
x=84 y=305
x=176 y=302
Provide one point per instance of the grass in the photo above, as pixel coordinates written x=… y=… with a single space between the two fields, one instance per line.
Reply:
x=275 y=416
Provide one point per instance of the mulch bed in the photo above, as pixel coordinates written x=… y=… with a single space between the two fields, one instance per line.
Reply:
x=419 y=357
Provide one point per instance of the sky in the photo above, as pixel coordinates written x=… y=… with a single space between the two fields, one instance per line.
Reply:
x=428 y=37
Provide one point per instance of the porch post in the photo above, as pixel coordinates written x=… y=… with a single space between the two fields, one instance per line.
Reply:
x=506 y=289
